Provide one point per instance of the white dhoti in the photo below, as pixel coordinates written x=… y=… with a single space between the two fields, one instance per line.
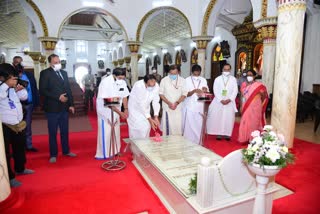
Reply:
x=192 y=126
x=171 y=121
x=220 y=119
x=104 y=139
x=138 y=128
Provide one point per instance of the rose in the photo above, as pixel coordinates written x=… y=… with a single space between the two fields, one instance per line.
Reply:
x=273 y=155
x=255 y=134
x=257 y=140
x=285 y=149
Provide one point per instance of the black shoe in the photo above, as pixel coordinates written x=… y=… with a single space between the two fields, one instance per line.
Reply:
x=32 y=149
x=218 y=137
x=227 y=138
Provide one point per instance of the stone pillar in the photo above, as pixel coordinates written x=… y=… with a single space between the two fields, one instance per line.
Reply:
x=36 y=63
x=134 y=48
x=48 y=44
x=287 y=72
x=43 y=60
x=4 y=181
x=120 y=61
x=267 y=28
x=202 y=42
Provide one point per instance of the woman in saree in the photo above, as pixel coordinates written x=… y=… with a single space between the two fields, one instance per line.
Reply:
x=254 y=100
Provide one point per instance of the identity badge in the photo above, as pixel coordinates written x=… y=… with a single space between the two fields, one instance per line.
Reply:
x=224 y=92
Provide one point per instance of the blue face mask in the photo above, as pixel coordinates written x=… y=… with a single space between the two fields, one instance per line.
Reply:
x=173 y=77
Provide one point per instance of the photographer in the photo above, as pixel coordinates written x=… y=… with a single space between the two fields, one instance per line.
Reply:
x=12 y=124
x=28 y=81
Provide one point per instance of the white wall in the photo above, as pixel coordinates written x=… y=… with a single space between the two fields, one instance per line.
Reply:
x=311 y=62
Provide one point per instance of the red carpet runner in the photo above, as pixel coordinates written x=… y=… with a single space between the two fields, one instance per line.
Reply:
x=80 y=185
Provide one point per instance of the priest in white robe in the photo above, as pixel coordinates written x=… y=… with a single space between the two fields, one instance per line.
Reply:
x=110 y=87
x=221 y=114
x=192 y=108
x=172 y=92
x=143 y=93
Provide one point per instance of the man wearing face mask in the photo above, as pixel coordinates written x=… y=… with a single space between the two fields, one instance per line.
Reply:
x=192 y=118
x=31 y=102
x=172 y=91
x=221 y=114
x=113 y=86
x=58 y=101
x=155 y=73
x=144 y=93
x=242 y=78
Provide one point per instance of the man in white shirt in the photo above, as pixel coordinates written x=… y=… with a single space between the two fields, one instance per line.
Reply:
x=172 y=91
x=112 y=86
x=89 y=83
x=221 y=114
x=192 y=108
x=143 y=93
x=11 y=93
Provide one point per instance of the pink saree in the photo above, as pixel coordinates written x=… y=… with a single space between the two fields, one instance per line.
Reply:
x=253 y=109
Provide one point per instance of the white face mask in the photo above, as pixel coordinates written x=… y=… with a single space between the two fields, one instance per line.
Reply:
x=226 y=73
x=108 y=73
x=57 y=67
x=249 y=78
x=150 y=88
x=120 y=82
x=244 y=74
x=195 y=77
x=154 y=71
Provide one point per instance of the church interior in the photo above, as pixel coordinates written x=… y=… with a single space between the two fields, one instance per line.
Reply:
x=278 y=39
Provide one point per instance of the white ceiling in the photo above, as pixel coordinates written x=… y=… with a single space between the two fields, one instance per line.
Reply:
x=167 y=27
x=13 y=22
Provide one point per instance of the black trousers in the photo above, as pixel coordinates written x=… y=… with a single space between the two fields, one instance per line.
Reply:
x=17 y=151
x=88 y=96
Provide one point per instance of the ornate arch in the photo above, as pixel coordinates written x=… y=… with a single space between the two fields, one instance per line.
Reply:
x=95 y=9
x=148 y=16
x=40 y=16
x=206 y=17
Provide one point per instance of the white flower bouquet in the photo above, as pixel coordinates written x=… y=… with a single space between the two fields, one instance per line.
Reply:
x=267 y=149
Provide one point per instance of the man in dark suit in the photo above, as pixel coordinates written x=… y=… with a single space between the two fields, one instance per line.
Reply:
x=31 y=102
x=58 y=101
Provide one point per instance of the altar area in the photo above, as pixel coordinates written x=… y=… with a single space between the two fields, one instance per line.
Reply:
x=169 y=165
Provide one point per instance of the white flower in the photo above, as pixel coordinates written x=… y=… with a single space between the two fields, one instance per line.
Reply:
x=285 y=149
x=267 y=128
x=255 y=133
x=273 y=134
x=273 y=154
x=257 y=140
x=281 y=137
x=255 y=147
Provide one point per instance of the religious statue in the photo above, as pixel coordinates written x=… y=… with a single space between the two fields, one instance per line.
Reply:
x=260 y=62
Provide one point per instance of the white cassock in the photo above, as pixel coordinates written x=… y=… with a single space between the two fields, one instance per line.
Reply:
x=193 y=110
x=172 y=119
x=221 y=117
x=139 y=109
x=108 y=88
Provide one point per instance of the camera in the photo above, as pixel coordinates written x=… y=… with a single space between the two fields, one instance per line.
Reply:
x=24 y=83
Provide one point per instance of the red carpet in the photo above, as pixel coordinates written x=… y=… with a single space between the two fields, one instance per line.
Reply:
x=79 y=185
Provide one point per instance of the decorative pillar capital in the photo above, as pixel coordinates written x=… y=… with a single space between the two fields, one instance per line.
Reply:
x=127 y=60
x=48 y=43
x=43 y=59
x=35 y=56
x=120 y=61
x=289 y=5
x=115 y=63
x=134 y=46
x=202 y=41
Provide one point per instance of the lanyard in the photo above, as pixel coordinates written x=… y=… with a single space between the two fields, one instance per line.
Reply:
x=194 y=84
x=225 y=83
x=175 y=86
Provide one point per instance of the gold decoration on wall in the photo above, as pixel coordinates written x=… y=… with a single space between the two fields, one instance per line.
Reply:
x=127 y=59
x=133 y=46
x=291 y=5
x=120 y=61
x=115 y=63
x=48 y=43
x=268 y=32
x=40 y=16
x=205 y=22
x=43 y=59
x=35 y=56
x=145 y=17
x=264 y=8
x=202 y=41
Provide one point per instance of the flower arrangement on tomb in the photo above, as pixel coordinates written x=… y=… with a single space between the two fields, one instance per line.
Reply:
x=193 y=185
x=267 y=149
